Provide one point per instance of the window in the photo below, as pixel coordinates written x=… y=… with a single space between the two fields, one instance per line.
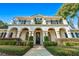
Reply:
x=66 y=35
x=56 y=21
x=60 y=21
x=72 y=35
x=24 y=21
x=38 y=20
x=77 y=35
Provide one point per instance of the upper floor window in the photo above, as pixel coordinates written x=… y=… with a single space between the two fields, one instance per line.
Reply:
x=38 y=20
x=60 y=21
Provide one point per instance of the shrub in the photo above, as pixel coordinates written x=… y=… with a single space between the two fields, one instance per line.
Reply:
x=46 y=38
x=72 y=44
x=31 y=38
x=22 y=43
x=14 y=50
x=63 y=51
x=7 y=42
x=30 y=43
x=49 y=43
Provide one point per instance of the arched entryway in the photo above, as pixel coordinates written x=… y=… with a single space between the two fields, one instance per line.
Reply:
x=13 y=33
x=24 y=35
x=51 y=34
x=38 y=35
x=63 y=33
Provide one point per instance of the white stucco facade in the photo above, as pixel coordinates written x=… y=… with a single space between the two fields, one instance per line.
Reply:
x=40 y=26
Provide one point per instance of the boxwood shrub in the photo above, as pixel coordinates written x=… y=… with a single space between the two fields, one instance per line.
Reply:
x=14 y=50
x=46 y=38
x=7 y=42
x=71 y=44
x=49 y=43
x=30 y=42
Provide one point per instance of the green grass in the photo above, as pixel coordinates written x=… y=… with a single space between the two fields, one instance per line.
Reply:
x=14 y=50
x=63 y=51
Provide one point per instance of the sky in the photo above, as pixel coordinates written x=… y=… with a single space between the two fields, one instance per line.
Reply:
x=10 y=10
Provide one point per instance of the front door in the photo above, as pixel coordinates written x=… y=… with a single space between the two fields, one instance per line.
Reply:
x=37 y=38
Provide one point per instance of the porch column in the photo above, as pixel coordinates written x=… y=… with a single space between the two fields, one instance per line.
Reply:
x=30 y=33
x=57 y=33
x=18 y=34
x=44 y=34
x=68 y=33
x=7 y=34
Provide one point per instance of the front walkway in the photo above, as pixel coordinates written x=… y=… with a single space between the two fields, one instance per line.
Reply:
x=38 y=51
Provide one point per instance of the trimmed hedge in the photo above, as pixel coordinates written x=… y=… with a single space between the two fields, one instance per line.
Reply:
x=8 y=42
x=30 y=43
x=63 y=51
x=46 y=38
x=72 y=44
x=49 y=43
x=14 y=50
x=31 y=38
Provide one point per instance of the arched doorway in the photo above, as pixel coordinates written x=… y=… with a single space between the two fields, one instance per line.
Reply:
x=63 y=33
x=51 y=34
x=24 y=35
x=38 y=36
x=13 y=33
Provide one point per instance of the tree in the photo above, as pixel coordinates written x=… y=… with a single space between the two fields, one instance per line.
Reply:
x=69 y=9
x=2 y=23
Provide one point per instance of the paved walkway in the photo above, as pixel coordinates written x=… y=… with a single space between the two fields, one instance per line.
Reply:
x=38 y=51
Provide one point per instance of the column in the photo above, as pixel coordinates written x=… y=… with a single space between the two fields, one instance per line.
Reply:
x=68 y=33
x=7 y=34
x=44 y=34
x=57 y=33
x=18 y=34
x=30 y=33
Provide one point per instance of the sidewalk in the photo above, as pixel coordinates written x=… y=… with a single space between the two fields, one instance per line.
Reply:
x=38 y=51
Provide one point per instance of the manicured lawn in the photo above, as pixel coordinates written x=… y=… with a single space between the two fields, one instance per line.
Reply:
x=63 y=51
x=14 y=50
